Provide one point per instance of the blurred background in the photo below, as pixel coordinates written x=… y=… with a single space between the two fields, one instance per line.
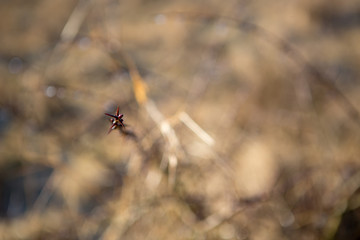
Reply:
x=241 y=119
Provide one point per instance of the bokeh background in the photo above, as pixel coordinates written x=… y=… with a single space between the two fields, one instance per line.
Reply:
x=241 y=119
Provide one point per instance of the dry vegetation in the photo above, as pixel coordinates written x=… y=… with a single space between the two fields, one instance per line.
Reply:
x=242 y=119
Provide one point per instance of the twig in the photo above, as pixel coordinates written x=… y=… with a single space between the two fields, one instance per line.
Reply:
x=140 y=91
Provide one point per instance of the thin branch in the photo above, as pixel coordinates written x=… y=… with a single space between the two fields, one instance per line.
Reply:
x=140 y=91
x=287 y=49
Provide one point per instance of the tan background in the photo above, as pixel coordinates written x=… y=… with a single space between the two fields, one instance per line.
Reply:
x=242 y=131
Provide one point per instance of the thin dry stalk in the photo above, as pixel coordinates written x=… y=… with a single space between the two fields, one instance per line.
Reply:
x=75 y=20
x=193 y=126
x=140 y=91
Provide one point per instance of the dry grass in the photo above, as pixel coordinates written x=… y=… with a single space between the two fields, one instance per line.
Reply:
x=242 y=120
